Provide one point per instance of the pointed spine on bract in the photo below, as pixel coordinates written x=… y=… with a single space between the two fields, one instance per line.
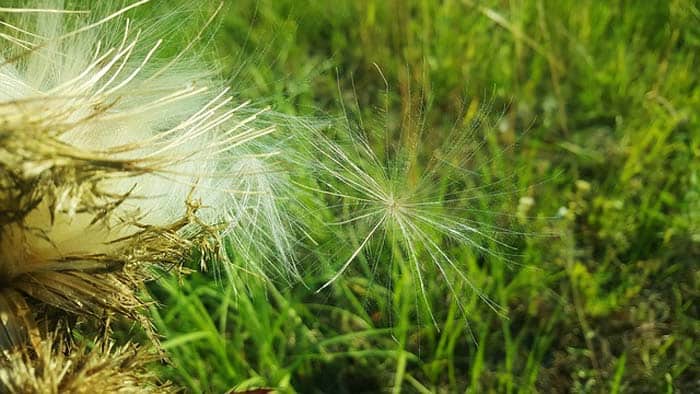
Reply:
x=55 y=366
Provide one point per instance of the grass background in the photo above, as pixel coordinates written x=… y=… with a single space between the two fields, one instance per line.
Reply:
x=595 y=111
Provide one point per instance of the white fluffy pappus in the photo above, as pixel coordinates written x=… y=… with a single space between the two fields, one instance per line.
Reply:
x=102 y=141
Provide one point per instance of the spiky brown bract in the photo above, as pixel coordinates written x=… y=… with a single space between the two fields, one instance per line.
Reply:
x=53 y=367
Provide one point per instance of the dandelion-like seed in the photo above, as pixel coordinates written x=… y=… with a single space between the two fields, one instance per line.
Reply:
x=395 y=203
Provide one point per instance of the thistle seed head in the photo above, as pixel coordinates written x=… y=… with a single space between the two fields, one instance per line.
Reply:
x=115 y=162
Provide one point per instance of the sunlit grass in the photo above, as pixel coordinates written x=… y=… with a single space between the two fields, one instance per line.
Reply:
x=600 y=100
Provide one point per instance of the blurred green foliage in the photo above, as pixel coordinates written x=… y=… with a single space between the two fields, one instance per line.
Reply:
x=595 y=106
